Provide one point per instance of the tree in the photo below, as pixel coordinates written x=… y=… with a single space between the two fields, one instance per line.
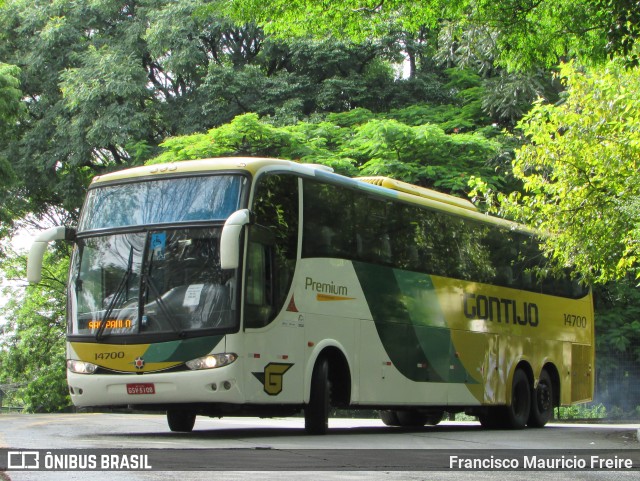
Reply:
x=507 y=95
x=61 y=142
x=358 y=142
x=526 y=33
x=10 y=111
x=580 y=172
x=32 y=354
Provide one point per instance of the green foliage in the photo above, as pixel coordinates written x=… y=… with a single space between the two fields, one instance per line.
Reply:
x=355 y=143
x=112 y=81
x=624 y=29
x=423 y=154
x=508 y=97
x=580 y=169
x=502 y=95
x=32 y=353
x=11 y=110
x=246 y=135
x=542 y=33
x=464 y=115
x=582 y=411
x=525 y=33
x=353 y=18
x=10 y=96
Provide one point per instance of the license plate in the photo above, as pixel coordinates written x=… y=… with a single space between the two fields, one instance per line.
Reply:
x=141 y=388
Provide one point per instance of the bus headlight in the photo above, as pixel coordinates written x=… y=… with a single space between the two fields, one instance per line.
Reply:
x=81 y=367
x=212 y=361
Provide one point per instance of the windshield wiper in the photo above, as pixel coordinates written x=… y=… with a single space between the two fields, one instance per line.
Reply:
x=166 y=310
x=151 y=285
x=116 y=296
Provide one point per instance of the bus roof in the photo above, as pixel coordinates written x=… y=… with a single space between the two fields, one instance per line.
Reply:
x=381 y=186
x=250 y=164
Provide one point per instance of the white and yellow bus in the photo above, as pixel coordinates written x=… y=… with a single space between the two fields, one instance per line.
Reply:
x=264 y=287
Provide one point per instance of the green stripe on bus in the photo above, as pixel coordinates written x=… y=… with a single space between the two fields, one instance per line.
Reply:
x=181 y=351
x=410 y=323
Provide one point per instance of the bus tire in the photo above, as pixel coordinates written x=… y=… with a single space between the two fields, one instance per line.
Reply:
x=492 y=417
x=517 y=413
x=181 y=420
x=316 y=413
x=433 y=418
x=390 y=418
x=542 y=402
x=411 y=419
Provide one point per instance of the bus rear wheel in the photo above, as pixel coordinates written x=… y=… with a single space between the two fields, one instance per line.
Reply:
x=181 y=420
x=542 y=402
x=433 y=418
x=411 y=419
x=517 y=413
x=316 y=413
x=414 y=419
x=390 y=418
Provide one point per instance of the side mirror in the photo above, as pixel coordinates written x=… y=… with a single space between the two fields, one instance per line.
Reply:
x=39 y=246
x=230 y=238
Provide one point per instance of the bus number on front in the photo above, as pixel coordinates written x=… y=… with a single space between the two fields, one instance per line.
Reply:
x=109 y=355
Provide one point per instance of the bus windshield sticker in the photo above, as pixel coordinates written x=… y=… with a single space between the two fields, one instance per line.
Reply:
x=158 y=244
x=192 y=295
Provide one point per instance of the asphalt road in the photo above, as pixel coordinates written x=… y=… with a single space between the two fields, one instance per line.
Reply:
x=250 y=448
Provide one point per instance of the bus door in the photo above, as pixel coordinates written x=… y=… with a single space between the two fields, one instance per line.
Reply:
x=274 y=339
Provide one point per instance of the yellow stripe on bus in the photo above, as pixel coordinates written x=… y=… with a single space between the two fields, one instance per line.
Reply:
x=331 y=297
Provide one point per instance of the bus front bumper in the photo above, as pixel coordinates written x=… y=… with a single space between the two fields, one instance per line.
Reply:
x=206 y=386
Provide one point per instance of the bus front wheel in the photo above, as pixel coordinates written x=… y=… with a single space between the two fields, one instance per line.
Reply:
x=181 y=420
x=316 y=412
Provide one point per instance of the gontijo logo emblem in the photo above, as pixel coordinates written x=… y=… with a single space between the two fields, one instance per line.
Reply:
x=272 y=376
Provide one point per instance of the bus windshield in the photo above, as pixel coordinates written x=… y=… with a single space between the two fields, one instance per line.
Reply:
x=160 y=281
x=162 y=201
